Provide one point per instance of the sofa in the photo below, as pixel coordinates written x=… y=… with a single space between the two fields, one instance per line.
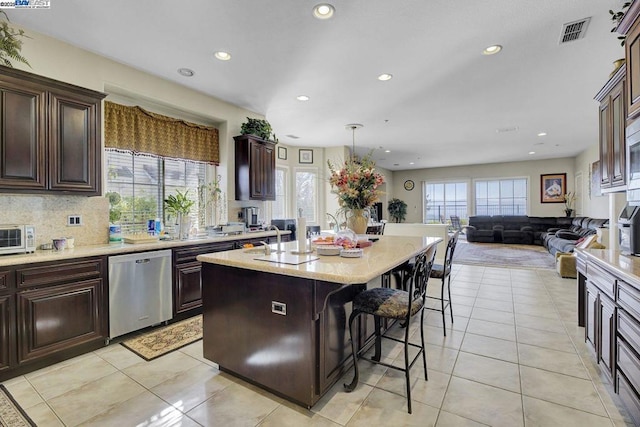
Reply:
x=557 y=234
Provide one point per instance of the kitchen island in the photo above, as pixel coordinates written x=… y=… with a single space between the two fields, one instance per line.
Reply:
x=284 y=326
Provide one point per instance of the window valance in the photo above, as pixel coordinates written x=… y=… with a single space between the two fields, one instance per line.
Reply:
x=135 y=129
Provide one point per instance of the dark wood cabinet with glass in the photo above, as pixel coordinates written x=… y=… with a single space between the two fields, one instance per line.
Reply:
x=51 y=135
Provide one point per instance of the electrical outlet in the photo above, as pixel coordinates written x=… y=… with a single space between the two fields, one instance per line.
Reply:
x=74 y=220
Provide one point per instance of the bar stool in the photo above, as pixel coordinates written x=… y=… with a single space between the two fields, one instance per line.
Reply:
x=396 y=304
x=443 y=271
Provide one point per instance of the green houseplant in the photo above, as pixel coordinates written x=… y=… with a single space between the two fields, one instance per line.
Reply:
x=616 y=17
x=180 y=205
x=258 y=127
x=10 y=43
x=397 y=210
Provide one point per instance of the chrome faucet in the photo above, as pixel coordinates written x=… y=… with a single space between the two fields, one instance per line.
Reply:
x=278 y=237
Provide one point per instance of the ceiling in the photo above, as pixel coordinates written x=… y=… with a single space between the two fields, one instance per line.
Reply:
x=446 y=105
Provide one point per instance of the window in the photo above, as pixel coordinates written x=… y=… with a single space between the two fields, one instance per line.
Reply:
x=279 y=206
x=501 y=197
x=307 y=194
x=137 y=186
x=443 y=199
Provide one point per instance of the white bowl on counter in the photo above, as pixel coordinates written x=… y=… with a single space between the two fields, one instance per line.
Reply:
x=330 y=250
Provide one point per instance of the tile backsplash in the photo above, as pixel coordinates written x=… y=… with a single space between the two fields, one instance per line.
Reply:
x=49 y=215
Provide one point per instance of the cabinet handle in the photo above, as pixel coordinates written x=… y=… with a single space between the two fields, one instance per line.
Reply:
x=142 y=261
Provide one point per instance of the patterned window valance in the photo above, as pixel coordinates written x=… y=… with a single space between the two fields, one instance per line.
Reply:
x=140 y=131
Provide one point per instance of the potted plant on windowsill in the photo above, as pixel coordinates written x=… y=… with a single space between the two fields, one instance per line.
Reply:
x=180 y=205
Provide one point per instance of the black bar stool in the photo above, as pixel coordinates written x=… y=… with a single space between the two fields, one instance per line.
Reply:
x=396 y=304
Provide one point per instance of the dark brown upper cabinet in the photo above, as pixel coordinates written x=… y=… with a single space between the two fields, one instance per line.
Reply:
x=50 y=135
x=255 y=168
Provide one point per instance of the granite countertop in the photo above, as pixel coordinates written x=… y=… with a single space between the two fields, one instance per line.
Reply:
x=122 y=248
x=385 y=254
x=625 y=266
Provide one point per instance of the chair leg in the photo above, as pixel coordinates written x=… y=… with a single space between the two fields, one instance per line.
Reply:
x=444 y=321
x=378 y=343
x=350 y=387
x=406 y=364
x=424 y=351
x=450 y=303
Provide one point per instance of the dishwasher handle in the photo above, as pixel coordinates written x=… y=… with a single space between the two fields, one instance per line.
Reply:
x=143 y=261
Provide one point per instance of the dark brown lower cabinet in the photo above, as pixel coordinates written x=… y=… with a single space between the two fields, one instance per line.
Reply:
x=187 y=284
x=55 y=318
x=7 y=346
x=52 y=311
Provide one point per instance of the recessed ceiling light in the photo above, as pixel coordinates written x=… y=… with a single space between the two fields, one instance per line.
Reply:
x=222 y=56
x=302 y=98
x=323 y=11
x=186 y=72
x=542 y=134
x=387 y=151
x=492 y=50
x=411 y=163
x=532 y=152
x=385 y=77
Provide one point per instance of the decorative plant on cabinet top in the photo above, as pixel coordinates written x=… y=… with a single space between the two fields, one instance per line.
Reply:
x=258 y=127
x=10 y=43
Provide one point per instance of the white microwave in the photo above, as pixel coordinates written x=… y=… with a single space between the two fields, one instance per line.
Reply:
x=17 y=239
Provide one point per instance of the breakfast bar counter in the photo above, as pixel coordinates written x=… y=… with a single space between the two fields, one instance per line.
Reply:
x=282 y=323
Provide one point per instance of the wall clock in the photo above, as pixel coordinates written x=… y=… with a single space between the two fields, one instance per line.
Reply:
x=408 y=185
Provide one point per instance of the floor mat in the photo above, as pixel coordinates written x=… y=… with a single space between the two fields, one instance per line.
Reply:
x=503 y=255
x=166 y=339
x=11 y=414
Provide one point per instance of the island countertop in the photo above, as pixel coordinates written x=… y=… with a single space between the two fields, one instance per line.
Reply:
x=379 y=258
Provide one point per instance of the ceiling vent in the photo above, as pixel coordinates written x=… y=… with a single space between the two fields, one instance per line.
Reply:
x=575 y=30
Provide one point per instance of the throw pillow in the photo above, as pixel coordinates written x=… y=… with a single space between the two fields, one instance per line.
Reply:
x=568 y=235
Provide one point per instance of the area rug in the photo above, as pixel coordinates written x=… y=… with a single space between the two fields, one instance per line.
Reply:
x=503 y=255
x=166 y=339
x=11 y=414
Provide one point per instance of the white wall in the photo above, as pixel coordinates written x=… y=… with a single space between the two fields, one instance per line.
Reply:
x=530 y=169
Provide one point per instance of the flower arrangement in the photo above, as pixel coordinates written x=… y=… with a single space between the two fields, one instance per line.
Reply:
x=569 y=200
x=356 y=183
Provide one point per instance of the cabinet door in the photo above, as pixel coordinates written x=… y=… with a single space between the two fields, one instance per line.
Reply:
x=256 y=172
x=269 y=172
x=7 y=346
x=607 y=334
x=605 y=143
x=57 y=317
x=188 y=288
x=617 y=147
x=74 y=159
x=22 y=138
x=591 y=316
x=632 y=54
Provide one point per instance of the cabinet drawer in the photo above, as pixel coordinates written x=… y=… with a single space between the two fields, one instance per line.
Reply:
x=629 y=329
x=190 y=253
x=629 y=298
x=62 y=272
x=5 y=280
x=629 y=364
x=629 y=397
x=603 y=280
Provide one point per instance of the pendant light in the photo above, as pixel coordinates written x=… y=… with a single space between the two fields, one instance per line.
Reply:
x=353 y=127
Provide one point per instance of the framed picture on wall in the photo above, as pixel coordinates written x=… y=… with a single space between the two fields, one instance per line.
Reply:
x=305 y=156
x=553 y=187
x=282 y=153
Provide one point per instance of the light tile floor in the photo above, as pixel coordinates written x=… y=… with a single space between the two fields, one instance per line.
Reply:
x=514 y=356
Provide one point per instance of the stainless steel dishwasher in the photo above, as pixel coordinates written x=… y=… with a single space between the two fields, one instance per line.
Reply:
x=139 y=291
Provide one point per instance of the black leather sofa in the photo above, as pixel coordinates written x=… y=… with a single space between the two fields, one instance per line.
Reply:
x=557 y=234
